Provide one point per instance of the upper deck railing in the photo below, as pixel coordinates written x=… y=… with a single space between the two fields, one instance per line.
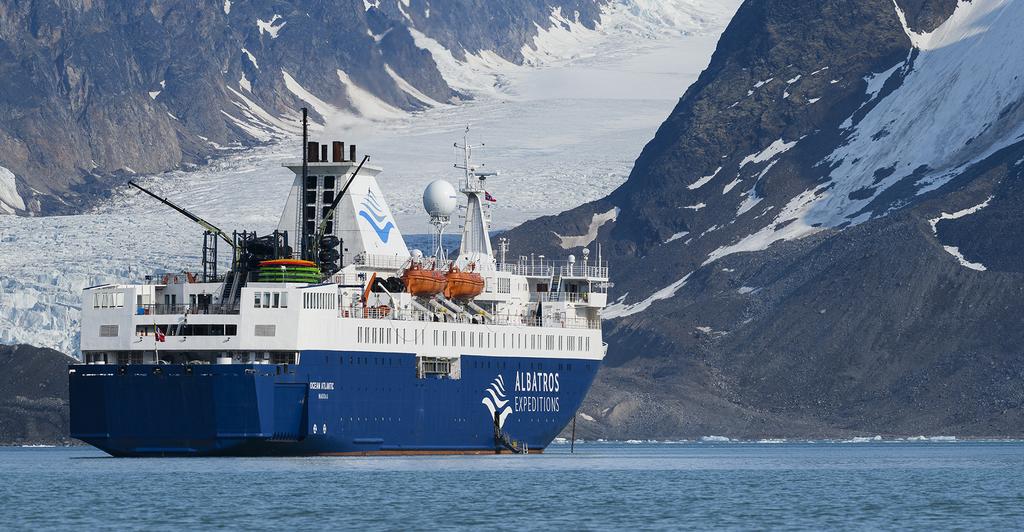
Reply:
x=160 y=310
x=451 y=317
x=546 y=268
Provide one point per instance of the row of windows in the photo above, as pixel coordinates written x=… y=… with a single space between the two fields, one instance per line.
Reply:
x=203 y=329
x=397 y=361
x=474 y=339
x=108 y=300
x=270 y=300
x=315 y=300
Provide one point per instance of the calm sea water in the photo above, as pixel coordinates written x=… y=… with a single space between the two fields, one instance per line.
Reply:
x=602 y=486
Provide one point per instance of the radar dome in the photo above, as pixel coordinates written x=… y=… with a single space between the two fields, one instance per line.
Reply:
x=439 y=198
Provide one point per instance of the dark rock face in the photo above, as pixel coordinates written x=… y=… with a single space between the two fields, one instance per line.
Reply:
x=92 y=92
x=864 y=326
x=33 y=395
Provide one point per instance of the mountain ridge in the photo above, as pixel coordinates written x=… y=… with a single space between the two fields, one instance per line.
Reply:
x=769 y=282
x=96 y=92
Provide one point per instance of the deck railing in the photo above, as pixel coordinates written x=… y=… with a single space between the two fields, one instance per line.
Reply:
x=182 y=309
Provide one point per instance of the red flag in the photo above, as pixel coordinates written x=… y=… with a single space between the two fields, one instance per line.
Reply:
x=160 y=336
x=489 y=197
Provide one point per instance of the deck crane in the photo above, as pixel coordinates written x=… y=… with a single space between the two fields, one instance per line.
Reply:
x=203 y=223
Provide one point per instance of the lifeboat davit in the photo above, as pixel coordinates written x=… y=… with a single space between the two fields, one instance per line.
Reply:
x=422 y=282
x=463 y=285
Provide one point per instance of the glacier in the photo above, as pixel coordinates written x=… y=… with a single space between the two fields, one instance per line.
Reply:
x=563 y=130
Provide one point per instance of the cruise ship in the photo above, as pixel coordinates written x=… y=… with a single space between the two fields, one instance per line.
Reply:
x=329 y=336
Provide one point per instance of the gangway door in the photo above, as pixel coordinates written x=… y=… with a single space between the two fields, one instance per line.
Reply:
x=290 y=411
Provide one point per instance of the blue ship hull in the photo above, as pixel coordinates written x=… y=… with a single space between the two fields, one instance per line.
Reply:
x=331 y=403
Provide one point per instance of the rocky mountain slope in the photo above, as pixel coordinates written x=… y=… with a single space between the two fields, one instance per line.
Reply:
x=94 y=92
x=33 y=395
x=823 y=238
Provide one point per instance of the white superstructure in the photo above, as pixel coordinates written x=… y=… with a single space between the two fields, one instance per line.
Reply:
x=527 y=307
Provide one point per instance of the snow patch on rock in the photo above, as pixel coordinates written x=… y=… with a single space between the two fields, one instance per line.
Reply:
x=596 y=221
x=620 y=310
x=704 y=180
x=269 y=28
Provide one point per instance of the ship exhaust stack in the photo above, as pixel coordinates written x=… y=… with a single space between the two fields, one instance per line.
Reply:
x=306 y=153
x=339 y=151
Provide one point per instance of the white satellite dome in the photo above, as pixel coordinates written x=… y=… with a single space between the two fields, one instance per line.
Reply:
x=439 y=198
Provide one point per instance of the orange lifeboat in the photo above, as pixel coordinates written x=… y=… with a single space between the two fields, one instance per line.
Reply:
x=422 y=282
x=463 y=285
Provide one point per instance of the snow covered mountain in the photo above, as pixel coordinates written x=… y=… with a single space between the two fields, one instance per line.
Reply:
x=94 y=92
x=824 y=236
x=538 y=120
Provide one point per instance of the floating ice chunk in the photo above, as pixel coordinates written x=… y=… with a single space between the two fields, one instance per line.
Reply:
x=227 y=7
x=596 y=221
x=794 y=80
x=813 y=100
x=696 y=207
x=244 y=83
x=367 y=4
x=154 y=94
x=714 y=439
x=585 y=416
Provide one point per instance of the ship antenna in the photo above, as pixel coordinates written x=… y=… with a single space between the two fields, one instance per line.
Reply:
x=305 y=173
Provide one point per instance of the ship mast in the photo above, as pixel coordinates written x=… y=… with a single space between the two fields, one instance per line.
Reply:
x=476 y=242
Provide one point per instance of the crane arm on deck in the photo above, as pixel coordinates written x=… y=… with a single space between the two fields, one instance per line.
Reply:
x=206 y=225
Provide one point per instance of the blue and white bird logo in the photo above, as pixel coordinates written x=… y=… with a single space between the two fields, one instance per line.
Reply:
x=495 y=400
x=376 y=217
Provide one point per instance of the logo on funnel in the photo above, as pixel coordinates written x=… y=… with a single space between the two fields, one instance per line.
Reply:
x=374 y=215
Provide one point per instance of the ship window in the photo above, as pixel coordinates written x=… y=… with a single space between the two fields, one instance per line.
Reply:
x=265 y=330
x=328 y=181
x=462 y=338
x=108 y=331
x=284 y=299
x=311 y=182
x=375 y=335
x=359 y=335
x=277 y=300
x=328 y=197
